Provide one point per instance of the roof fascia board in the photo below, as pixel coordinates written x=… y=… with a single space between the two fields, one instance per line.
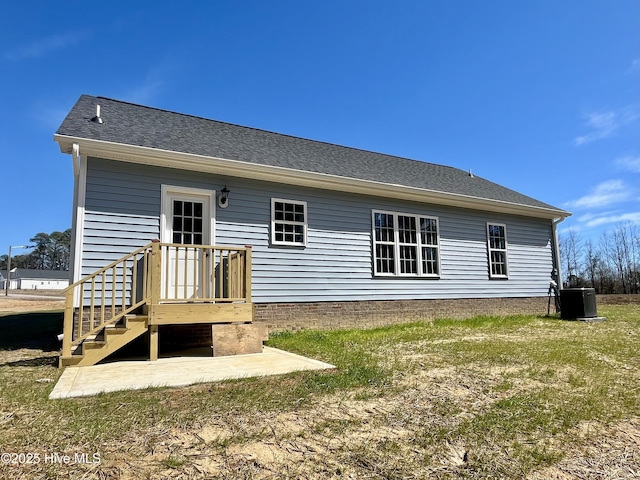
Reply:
x=236 y=168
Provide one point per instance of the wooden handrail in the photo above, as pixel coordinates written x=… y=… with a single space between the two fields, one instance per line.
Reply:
x=104 y=269
x=200 y=273
x=74 y=334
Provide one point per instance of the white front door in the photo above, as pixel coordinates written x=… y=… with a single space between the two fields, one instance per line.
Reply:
x=188 y=219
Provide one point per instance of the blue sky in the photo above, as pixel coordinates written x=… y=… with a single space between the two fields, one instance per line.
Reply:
x=542 y=97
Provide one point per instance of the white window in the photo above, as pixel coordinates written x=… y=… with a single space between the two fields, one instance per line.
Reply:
x=497 y=246
x=288 y=222
x=405 y=245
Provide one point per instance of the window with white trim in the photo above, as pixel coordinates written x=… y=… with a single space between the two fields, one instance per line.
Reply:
x=405 y=245
x=497 y=247
x=288 y=222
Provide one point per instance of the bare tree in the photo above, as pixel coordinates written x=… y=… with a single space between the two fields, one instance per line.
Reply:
x=605 y=271
x=570 y=253
x=636 y=260
x=620 y=255
x=612 y=265
x=626 y=241
x=592 y=260
x=634 y=270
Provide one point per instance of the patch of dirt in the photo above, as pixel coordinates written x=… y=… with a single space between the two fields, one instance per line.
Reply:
x=28 y=357
x=609 y=453
x=23 y=305
x=348 y=438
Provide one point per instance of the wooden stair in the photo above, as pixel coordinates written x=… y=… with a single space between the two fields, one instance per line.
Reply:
x=118 y=303
x=107 y=341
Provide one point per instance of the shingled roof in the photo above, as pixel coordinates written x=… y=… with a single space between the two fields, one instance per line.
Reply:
x=136 y=125
x=35 y=274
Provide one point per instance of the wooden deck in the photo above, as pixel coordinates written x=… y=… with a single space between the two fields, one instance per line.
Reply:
x=158 y=284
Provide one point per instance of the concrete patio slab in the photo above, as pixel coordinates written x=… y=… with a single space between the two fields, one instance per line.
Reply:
x=178 y=372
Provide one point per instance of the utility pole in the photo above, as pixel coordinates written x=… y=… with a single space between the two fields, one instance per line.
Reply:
x=8 y=280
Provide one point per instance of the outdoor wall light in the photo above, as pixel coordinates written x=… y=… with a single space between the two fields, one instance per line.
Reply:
x=223 y=198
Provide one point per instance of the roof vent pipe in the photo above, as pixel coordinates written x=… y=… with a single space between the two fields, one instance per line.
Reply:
x=470 y=173
x=97 y=118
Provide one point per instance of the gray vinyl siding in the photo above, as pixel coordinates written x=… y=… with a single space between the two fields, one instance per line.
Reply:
x=122 y=213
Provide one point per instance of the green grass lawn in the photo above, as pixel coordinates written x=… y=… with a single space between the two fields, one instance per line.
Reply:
x=490 y=397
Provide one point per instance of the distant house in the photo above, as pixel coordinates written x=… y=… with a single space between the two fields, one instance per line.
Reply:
x=31 y=279
x=295 y=233
x=3 y=280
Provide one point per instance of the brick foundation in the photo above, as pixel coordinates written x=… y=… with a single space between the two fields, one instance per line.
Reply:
x=86 y=317
x=374 y=313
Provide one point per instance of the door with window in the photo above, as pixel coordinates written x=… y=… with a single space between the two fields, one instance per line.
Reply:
x=188 y=222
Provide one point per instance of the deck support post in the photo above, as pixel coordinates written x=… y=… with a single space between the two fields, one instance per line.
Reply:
x=154 y=297
x=153 y=343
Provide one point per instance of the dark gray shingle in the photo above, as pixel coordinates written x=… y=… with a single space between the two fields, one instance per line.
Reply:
x=137 y=125
x=33 y=274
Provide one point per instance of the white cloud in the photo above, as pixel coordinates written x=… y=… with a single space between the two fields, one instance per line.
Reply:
x=635 y=65
x=587 y=217
x=629 y=163
x=605 y=193
x=144 y=93
x=155 y=81
x=597 y=220
x=604 y=124
x=47 y=115
x=44 y=45
x=571 y=228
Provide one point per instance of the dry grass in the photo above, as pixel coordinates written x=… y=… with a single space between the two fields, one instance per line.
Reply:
x=488 y=398
x=12 y=304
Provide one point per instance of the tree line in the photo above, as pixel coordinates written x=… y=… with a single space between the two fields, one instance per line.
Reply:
x=610 y=265
x=49 y=251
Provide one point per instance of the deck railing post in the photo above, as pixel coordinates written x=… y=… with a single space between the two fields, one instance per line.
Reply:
x=155 y=276
x=67 y=329
x=247 y=273
x=74 y=331
x=155 y=285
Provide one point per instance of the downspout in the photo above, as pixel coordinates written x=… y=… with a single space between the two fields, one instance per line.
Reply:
x=75 y=159
x=77 y=226
x=556 y=251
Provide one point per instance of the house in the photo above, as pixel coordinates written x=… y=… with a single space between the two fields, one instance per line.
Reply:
x=34 y=279
x=285 y=231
